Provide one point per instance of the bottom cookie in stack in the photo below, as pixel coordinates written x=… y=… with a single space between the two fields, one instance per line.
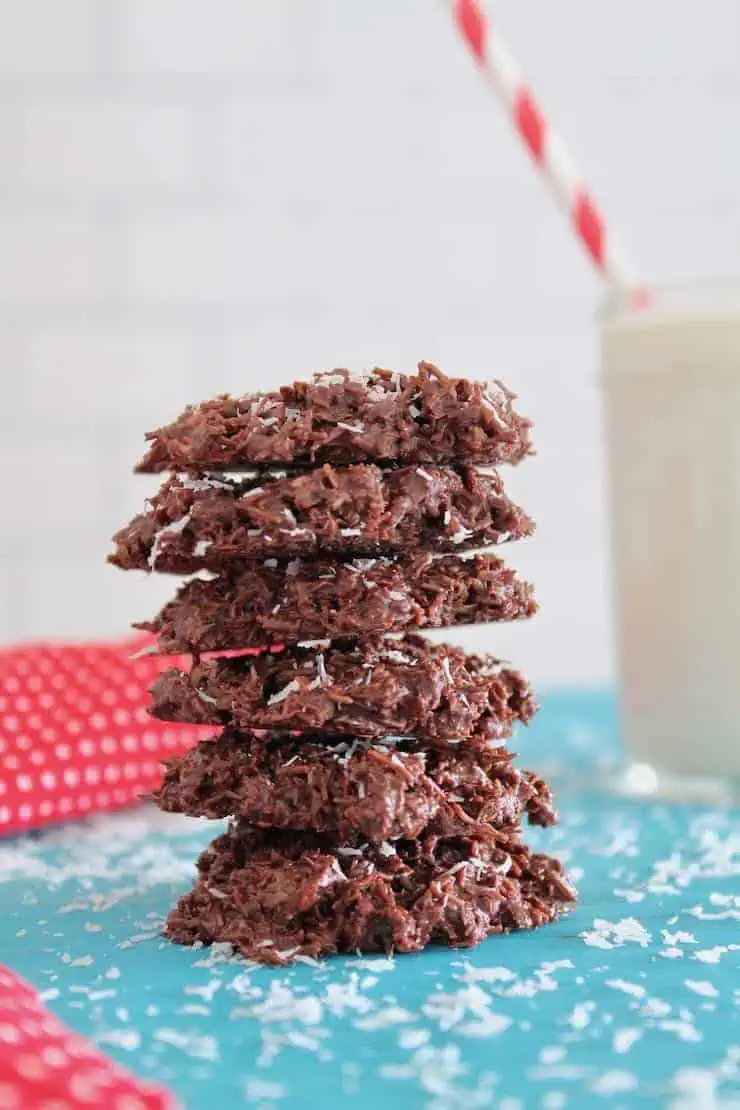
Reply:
x=275 y=894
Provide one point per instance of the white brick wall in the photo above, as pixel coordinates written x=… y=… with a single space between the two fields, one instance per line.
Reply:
x=85 y=368
x=214 y=40
x=226 y=257
x=108 y=144
x=205 y=196
x=50 y=256
x=42 y=38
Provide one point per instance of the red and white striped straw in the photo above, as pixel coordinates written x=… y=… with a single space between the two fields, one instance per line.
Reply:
x=498 y=65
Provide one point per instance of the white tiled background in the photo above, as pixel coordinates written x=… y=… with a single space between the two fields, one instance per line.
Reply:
x=208 y=195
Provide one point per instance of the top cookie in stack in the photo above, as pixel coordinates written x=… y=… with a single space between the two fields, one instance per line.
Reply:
x=341 y=419
x=333 y=537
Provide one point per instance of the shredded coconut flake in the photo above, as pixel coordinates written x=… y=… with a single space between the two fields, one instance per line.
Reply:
x=292 y=687
x=207 y=482
x=393 y=656
x=607 y=934
x=362 y=565
x=702 y=987
x=173 y=529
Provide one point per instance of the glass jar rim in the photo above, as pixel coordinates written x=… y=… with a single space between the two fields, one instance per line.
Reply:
x=699 y=299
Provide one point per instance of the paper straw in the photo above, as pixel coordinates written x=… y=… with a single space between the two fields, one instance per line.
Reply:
x=497 y=64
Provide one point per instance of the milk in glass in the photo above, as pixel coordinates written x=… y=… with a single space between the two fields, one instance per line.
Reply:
x=672 y=404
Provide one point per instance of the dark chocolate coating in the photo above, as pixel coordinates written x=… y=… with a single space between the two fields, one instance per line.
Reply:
x=379 y=792
x=208 y=523
x=275 y=895
x=370 y=687
x=337 y=418
x=272 y=602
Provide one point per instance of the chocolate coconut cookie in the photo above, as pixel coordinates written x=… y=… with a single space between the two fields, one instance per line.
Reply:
x=341 y=419
x=380 y=792
x=274 y=894
x=370 y=687
x=207 y=523
x=269 y=602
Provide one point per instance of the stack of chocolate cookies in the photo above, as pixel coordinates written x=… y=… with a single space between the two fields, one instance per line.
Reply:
x=374 y=804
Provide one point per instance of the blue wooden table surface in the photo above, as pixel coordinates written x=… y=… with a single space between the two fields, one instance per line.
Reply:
x=632 y=1001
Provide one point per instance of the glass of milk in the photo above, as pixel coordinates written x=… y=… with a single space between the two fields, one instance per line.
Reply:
x=671 y=370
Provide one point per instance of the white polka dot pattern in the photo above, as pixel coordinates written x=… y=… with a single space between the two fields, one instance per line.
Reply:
x=45 y=1066
x=75 y=735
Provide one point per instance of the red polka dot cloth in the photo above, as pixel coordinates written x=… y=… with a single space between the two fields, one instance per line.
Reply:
x=45 y=1066
x=75 y=735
